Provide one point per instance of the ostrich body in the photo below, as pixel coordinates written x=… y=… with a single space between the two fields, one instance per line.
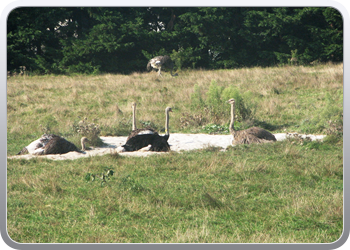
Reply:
x=160 y=62
x=250 y=135
x=52 y=144
x=140 y=138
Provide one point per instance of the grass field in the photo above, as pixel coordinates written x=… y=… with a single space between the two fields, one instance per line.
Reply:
x=289 y=191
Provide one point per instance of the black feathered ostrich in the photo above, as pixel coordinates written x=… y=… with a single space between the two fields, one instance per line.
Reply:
x=160 y=62
x=140 y=138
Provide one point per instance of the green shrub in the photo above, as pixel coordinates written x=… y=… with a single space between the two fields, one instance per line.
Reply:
x=214 y=105
x=196 y=97
x=215 y=129
x=244 y=110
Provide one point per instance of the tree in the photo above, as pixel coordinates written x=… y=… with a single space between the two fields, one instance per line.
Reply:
x=122 y=40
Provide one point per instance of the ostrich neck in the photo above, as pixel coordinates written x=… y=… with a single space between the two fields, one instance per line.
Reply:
x=82 y=146
x=232 y=128
x=167 y=122
x=133 y=118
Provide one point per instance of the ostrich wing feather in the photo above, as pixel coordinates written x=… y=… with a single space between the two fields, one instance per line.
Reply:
x=253 y=135
x=160 y=144
x=141 y=131
x=59 y=145
x=138 y=141
x=261 y=133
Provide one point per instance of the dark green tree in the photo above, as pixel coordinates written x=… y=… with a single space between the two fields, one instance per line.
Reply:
x=122 y=40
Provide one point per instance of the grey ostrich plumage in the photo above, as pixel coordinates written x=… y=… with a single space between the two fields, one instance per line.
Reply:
x=161 y=62
x=250 y=135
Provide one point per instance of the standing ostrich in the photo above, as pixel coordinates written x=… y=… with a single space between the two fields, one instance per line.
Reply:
x=52 y=144
x=140 y=138
x=160 y=62
x=170 y=25
x=250 y=135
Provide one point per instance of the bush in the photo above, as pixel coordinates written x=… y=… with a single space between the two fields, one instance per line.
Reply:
x=215 y=129
x=89 y=130
x=214 y=106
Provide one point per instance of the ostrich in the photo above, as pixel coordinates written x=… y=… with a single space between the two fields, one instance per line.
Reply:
x=170 y=25
x=160 y=143
x=52 y=144
x=250 y=135
x=160 y=62
x=140 y=138
x=167 y=110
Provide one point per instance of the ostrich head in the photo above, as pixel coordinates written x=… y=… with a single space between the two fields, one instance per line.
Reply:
x=231 y=101
x=83 y=141
x=168 y=109
x=231 y=126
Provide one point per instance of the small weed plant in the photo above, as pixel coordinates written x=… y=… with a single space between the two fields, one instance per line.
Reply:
x=89 y=130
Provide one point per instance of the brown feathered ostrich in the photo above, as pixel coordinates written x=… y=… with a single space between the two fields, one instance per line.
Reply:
x=140 y=138
x=52 y=144
x=250 y=135
x=160 y=62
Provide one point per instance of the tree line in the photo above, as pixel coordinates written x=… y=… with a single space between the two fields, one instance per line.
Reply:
x=60 y=40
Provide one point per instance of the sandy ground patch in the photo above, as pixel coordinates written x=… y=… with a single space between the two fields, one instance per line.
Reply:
x=177 y=142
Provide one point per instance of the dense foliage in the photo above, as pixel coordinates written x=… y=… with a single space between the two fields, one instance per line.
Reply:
x=122 y=40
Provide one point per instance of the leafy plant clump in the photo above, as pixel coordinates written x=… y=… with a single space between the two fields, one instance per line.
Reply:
x=106 y=175
x=90 y=130
x=215 y=106
x=215 y=129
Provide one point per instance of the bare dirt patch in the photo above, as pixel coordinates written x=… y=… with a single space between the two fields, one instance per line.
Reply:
x=177 y=142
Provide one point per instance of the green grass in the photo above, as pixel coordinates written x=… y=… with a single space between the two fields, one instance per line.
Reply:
x=290 y=191
x=281 y=192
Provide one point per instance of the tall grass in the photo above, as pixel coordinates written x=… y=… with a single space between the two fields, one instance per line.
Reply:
x=277 y=98
x=290 y=191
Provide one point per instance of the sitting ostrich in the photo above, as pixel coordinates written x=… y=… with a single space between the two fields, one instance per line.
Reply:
x=52 y=144
x=250 y=135
x=160 y=62
x=140 y=138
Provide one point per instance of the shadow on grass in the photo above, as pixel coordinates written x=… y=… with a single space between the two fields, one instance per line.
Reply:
x=271 y=127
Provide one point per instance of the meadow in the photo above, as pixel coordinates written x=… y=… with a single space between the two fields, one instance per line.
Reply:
x=284 y=192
